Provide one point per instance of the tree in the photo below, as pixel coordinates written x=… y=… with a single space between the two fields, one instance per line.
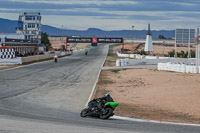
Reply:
x=161 y=37
x=45 y=40
x=193 y=54
x=182 y=54
x=142 y=52
x=171 y=53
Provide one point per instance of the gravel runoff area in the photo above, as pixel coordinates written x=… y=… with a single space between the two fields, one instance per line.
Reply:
x=153 y=94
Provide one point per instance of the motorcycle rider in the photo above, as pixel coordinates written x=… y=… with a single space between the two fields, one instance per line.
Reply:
x=107 y=98
x=55 y=58
x=86 y=52
x=104 y=100
x=99 y=102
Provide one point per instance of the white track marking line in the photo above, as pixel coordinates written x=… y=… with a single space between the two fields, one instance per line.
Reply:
x=154 y=121
x=94 y=87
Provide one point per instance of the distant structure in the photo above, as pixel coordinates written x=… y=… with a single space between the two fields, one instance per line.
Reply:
x=57 y=42
x=148 y=43
x=27 y=39
x=30 y=25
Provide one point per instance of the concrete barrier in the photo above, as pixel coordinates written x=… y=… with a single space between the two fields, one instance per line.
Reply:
x=151 y=57
x=21 y=60
x=122 y=62
x=135 y=56
x=138 y=56
x=118 y=63
x=177 y=67
x=41 y=57
x=13 y=61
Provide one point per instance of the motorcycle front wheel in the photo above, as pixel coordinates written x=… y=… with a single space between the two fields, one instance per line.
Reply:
x=106 y=114
x=84 y=113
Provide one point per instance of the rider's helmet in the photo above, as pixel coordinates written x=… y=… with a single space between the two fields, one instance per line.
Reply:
x=107 y=94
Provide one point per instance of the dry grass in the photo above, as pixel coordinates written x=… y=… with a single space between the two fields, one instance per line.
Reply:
x=153 y=113
x=7 y=67
x=110 y=63
x=152 y=94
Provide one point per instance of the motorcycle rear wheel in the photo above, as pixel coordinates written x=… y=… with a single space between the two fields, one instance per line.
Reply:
x=107 y=113
x=84 y=113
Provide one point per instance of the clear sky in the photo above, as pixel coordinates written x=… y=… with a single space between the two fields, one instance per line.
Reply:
x=108 y=14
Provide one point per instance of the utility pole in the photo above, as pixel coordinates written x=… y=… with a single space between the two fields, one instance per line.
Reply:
x=62 y=32
x=133 y=37
x=62 y=38
x=197 y=50
x=175 y=54
x=189 y=55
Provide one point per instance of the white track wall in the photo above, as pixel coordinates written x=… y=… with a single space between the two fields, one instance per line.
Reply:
x=138 y=56
x=178 y=67
x=135 y=56
x=122 y=62
x=13 y=61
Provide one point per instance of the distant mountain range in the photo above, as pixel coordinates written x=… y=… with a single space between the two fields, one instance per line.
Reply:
x=9 y=26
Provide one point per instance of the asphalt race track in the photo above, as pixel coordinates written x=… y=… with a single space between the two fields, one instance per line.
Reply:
x=47 y=97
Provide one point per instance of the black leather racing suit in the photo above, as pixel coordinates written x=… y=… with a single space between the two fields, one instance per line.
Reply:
x=99 y=102
x=104 y=100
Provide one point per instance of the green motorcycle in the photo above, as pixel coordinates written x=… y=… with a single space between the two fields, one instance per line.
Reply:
x=104 y=113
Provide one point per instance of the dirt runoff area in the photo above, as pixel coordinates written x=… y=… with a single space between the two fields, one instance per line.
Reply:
x=153 y=94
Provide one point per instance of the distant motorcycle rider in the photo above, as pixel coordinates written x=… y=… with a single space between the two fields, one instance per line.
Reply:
x=55 y=58
x=86 y=52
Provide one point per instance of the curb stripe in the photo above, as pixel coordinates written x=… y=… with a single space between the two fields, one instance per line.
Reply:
x=154 y=121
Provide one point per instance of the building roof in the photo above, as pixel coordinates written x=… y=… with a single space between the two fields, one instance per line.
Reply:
x=6 y=48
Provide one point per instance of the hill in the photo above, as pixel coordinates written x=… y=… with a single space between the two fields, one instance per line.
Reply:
x=9 y=26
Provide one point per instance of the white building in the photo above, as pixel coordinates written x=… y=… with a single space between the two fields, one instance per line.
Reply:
x=28 y=35
x=30 y=25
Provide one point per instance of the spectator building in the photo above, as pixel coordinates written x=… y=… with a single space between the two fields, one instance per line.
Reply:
x=27 y=38
x=30 y=25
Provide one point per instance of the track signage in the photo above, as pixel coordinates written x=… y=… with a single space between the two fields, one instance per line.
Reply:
x=79 y=40
x=110 y=40
x=185 y=36
x=93 y=40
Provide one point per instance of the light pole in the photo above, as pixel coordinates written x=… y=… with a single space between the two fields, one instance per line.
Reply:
x=62 y=38
x=175 y=54
x=163 y=48
x=197 y=50
x=62 y=32
x=189 y=55
x=132 y=38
